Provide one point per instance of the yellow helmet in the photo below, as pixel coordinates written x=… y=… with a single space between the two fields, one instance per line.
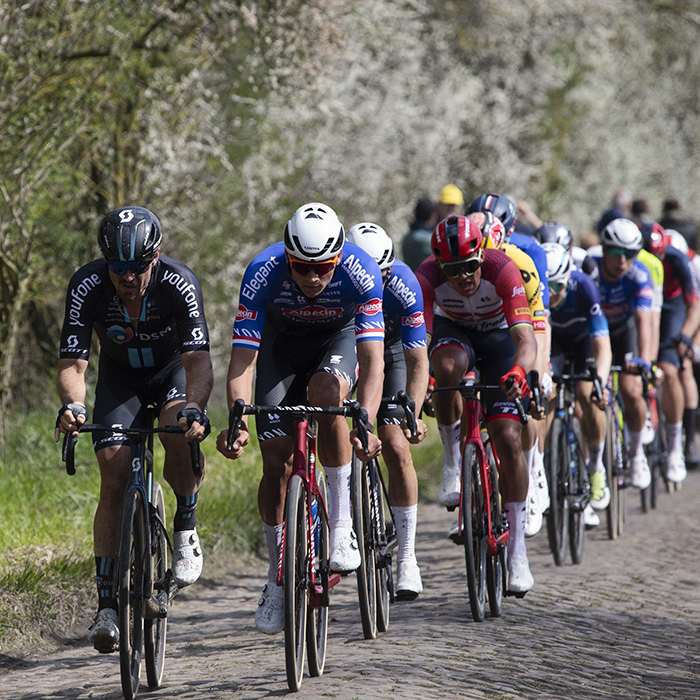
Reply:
x=492 y=229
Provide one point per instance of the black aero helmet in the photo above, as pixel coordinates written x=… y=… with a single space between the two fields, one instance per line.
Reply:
x=554 y=232
x=129 y=234
x=498 y=204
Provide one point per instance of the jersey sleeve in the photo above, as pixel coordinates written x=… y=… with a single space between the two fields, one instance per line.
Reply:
x=531 y=281
x=406 y=289
x=426 y=276
x=511 y=289
x=188 y=307
x=589 y=301
x=688 y=279
x=366 y=278
x=252 y=302
x=76 y=334
x=643 y=297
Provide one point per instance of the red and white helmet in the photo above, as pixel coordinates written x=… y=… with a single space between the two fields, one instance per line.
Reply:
x=456 y=238
x=492 y=228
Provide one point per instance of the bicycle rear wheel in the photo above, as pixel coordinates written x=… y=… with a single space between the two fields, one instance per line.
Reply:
x=579 y=497
x=295 y=581
x=362 y=522
x=473 y=519
x=155 y=629
x=131 y=557
x=317 y=618
x=609 y=458
x=496 y=565
x=558 y=478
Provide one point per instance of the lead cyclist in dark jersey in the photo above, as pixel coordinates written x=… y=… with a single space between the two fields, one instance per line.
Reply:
x=148 y=315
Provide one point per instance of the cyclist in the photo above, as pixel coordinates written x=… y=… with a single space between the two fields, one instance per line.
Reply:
x=310 y=312
x=680 y=320
x=493 y=233
x=482 y=311
x=580 y=333
x=405 y=368
x=148 y=314
x=555 y=232
x=626 y=298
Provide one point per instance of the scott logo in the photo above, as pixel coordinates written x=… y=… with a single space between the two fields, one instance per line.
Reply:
x=126 y=216
x=245 y=314
x=414 y=320
x=369 y=308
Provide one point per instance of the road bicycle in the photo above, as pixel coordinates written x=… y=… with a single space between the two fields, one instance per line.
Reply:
x=483 y=526
x=143 y=580
x=655 y=449
x=616 y=457
x=565 y=463
x=304 y=566
x=376 y=533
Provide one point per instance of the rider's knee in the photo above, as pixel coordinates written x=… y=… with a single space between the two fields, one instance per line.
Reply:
x=325 y=389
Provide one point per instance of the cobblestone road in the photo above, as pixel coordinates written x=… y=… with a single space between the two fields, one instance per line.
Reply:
x=622 y=624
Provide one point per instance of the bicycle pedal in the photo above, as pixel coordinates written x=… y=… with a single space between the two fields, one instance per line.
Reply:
x=155 y=609
x=450 y=509
x=406 y=595
x=515 y=594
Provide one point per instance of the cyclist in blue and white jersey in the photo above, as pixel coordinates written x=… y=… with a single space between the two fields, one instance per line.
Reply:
x=626 y=298
x=580 y=333
x=310 y=320
x=406 y=368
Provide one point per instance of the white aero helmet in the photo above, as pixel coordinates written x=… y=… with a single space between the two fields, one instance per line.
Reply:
x=559 y=263
x=622 y=233
x=314 y=233
x=677 y=240
x=374 y=240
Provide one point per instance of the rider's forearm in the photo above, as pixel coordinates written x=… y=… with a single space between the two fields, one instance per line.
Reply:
x=199 y=378
x=603 y=357
x=417 y=369
x=642 y=320
x=692 y=319
x=542 y=354
x=241 y=370
x=71 y=381
x=370 y=357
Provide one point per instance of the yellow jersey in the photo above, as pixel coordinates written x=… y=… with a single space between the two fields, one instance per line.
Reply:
x=656 y=272
x=531 y=281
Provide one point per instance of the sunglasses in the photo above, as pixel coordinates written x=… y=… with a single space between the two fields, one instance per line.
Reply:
x=556 y=287
x=320 y=268
x=138 y=267
x=616 y=252
x=467 y=267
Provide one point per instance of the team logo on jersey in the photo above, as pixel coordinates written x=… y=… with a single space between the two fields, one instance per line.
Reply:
x=369 y=308
x=119 y=334
x=313 y=313
x=72 y=341
x=414 y=320
x=245 y=314
x=518 y=292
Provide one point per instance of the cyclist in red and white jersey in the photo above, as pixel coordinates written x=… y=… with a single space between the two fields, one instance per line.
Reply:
x=476 y=307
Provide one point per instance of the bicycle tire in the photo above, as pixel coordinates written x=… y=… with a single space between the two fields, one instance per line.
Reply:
x=473 y=519
x=645 y=495
x=362 y=523
x=495 y=565
x=578 y=490
x=558 y=478
x=131 y=558
x=609 y=459
x=383 y=565
x=659 y=459
x=155 y=630
x=317 y=618
x=294 y=572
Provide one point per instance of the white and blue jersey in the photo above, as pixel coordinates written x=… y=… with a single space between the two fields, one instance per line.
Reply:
x=532 y=248
x=622 y=299
x=403 y=308
x=580 y=314
x=270 y=294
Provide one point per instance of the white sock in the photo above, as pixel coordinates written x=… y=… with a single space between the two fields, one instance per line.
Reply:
x=339 y=510
x=538 y=460
x=450 y=435
x=530 y=458
x=515 y=513
x=405 y=518
x=674 y=435
x=595 y=458
x=273 y=537
x=636 y=447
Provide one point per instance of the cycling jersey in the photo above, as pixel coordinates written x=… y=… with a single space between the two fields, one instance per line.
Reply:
x=679 y=276
x=531 y=280
x=580 y=314
x=656 y=275
x=531 y=247
x=583 y=261
x=499 y=302
x=269 y=293
x=622 y=299
x=403 y=308
x=171 y=320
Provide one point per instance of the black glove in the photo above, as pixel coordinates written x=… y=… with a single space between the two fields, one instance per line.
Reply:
x=75 y=408
x=195 y=415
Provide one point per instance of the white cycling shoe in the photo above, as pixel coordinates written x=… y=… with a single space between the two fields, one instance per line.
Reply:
x=269 y=616
x=520 y=579
x=104 y=631
x=540 y=486
x=408 y=583
x=187 y=557
x=675 y=470
x=450 y=486
x=533 y=517
x=590 y=517
x=345 y=552
x=641 y=476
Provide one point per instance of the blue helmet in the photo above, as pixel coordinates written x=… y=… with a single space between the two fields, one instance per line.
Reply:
x=498 y=204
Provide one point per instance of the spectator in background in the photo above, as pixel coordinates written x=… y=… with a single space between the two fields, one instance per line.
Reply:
x=526 y=222
x=639 y=212
x=416 y=243
x=619 y=208
x=671 y=217
x=450 y=204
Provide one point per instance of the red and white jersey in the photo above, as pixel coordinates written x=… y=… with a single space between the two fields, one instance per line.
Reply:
x=499 y=302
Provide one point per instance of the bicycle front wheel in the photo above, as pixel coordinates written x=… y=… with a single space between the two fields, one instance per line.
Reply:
x=317 y=619
x=473 y=519
x=610 y=459
x=383 y=563
x=155 y=629
x=496 y=565
x=131 y=557
x=295 y=581
x=579 y=490
x=362 y=523
x=558 y=478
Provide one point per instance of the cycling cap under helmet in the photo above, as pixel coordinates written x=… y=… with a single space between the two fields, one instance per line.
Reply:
x=455 y=238
x=554 y=232
x=314 y=233
x=499 y=205
x=655 y=238
x=622 y=233
x=559 y=263
x=374 y=240
x=129 y=234
x=492 y=229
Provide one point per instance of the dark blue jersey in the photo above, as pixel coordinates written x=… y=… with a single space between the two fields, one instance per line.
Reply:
x=580 y=314
x=631 y=293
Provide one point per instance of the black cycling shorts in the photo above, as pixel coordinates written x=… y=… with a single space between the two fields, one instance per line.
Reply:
x=123 y=394
x=623 y=342
x=286 y=362
x=672 y=320
x=578 y=350
x=394 y=381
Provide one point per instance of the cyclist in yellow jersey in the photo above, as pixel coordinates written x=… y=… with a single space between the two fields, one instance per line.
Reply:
x=494 y=234
x=656 y=272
